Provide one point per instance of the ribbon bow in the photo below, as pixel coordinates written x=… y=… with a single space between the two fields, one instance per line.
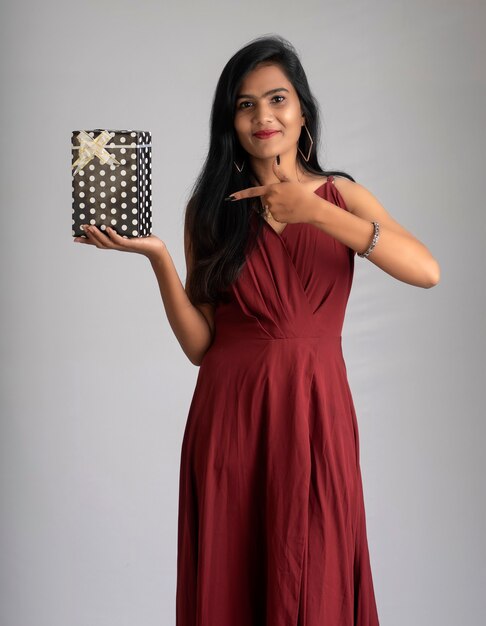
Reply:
x=89 y=148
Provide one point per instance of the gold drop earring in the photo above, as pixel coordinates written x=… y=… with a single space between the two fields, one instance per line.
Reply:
x=310 y=148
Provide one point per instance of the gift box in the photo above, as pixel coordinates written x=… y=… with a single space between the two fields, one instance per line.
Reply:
x=112 y=181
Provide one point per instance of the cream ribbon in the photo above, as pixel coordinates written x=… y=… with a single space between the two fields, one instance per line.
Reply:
x=90 y=148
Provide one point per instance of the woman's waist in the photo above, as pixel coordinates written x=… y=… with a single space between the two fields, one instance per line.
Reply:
x=247 y=326
x=250 y=346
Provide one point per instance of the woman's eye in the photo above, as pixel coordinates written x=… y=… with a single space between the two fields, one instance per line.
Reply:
x=248 y=102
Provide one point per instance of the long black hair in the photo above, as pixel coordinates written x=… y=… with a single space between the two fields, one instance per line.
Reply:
x=220 y=235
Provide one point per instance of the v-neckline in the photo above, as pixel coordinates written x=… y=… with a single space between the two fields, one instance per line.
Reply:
x=280 y=234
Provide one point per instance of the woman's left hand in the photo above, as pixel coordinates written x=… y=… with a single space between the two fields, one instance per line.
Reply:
x=288 y=201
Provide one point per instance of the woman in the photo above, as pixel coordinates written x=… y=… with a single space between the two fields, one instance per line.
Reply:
x=271 y=520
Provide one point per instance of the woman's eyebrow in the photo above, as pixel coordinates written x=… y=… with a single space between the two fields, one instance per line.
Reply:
x=267 y=93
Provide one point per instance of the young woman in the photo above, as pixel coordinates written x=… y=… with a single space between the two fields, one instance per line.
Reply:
x=272 y=527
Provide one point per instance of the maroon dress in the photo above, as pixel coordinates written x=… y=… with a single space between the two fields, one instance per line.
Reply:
x=271 y=526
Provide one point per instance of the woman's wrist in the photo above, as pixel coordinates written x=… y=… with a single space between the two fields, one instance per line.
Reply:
x=318 y=211
x=158 y=254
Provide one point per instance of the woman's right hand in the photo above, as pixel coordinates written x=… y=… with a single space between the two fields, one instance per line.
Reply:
x=150 y=246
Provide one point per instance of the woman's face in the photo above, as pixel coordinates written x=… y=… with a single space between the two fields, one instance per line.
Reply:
x=257 y=110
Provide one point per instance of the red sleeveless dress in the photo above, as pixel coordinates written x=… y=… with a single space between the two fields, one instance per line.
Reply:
x=271 y=525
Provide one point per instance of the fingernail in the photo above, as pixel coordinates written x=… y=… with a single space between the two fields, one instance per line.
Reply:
x=278 y=159
x=230 y=198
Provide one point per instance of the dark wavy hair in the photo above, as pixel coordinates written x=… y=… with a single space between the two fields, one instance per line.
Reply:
x=220 y=235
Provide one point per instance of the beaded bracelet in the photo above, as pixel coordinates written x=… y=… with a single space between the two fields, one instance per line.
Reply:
x=376 y=235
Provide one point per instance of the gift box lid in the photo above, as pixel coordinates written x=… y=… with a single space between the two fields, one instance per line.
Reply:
x=144 y=136
x=104 y=144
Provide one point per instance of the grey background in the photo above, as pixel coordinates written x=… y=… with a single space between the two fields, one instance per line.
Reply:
x=95 y=387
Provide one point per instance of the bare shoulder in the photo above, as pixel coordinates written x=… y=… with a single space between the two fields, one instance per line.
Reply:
x=362 y=203
x=351 y=192
x=207 y=309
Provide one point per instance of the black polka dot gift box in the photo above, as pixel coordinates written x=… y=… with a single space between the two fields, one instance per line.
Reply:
x=112 y=181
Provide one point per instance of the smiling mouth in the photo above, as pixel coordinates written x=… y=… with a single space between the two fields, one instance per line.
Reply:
x=266 y=135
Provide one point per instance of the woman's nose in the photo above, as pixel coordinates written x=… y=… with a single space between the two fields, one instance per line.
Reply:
x=261 y=113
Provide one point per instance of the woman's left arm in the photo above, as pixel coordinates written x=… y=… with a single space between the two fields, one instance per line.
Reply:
x=396 y=252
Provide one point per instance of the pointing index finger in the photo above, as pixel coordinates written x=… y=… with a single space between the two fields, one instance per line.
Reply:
x=250 y=192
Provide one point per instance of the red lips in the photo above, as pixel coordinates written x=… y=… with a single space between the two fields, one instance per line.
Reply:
x=265 y=133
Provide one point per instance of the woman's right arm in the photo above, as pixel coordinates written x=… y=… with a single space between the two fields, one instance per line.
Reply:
x=192 y=325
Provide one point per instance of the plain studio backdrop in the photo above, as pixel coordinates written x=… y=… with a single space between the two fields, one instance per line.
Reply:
x=95 y=387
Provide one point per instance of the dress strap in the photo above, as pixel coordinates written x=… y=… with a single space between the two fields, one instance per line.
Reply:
x=330 y=179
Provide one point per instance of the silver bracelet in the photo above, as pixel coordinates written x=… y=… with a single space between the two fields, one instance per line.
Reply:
x=376 y=235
